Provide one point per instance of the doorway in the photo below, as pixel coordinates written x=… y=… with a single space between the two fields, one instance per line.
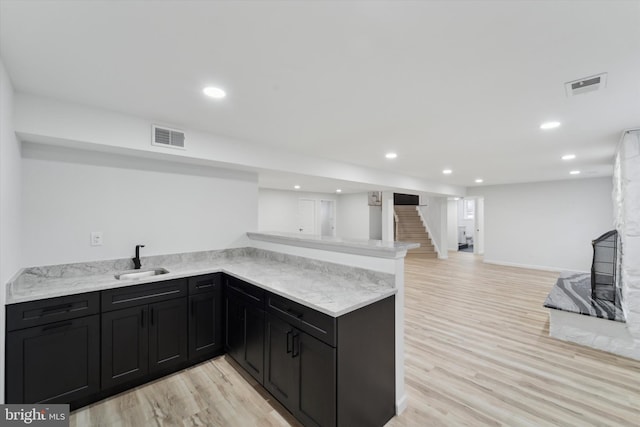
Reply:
x=307 y=216
x=478 y=247
x=466 y=224
x=470 y=225
x=327 y=218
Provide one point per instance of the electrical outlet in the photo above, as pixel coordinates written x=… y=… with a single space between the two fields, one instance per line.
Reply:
x=96 y=238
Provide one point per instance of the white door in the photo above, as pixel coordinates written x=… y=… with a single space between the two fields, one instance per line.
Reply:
x=307 y=216
x=327 y=218
x=478 y=246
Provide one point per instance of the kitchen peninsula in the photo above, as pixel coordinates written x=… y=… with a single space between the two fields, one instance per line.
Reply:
x=278 y=300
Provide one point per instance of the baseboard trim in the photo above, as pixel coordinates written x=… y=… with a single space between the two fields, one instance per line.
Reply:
x=401 y=404
x=532 y=266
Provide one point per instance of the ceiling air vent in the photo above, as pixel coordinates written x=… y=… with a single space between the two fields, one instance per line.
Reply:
x=585 y=85
x=166 y=137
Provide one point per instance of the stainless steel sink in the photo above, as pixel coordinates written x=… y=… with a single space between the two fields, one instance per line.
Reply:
x=140 y=274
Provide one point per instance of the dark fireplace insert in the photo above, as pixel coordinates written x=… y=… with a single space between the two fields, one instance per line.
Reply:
x=604 y=268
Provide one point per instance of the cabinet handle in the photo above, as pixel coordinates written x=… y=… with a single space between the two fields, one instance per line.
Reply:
x=296 y=345
x=193 y=307
x=142 y=318
x=61 y=308
x=288 y=341
x=204 y=284
x=61 y=325
x=152 y=316
x=292 y=312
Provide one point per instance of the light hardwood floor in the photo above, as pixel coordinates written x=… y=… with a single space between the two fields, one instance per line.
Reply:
x=477 y=353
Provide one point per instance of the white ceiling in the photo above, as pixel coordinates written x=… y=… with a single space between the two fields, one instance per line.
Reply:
x=460 y=85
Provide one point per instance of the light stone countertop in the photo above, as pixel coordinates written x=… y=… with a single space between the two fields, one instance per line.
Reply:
x=374 y=248
x=332 y=289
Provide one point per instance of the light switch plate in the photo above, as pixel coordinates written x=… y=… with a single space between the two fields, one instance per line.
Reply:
x=96 y=238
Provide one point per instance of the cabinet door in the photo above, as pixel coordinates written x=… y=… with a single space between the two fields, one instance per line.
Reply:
x=253 y=360
x=167 y=334
x=281 y=368
x=125 y=345
x=54 y=363
x=205 y=325
x=317 y=367
x=234 y=327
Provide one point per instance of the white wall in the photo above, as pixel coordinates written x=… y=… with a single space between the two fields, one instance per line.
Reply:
x=10 y=184
x=45 y=120
x=353 y=216
x=375 y=222
x=546 y=225
x=168 y=207
x=434 y=211
x=278 y=209
x=452 y=225
x=10 y=205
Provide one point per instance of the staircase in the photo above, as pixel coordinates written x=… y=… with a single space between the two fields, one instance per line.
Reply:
x=409 y=228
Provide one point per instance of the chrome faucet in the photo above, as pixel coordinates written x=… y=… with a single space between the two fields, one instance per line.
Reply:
x=136 y=260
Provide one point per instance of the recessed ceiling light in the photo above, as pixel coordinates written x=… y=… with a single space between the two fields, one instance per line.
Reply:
x=391 y=155
x=338 y=191
x=214 y=92
x=456 y=198
x=479 y=180
x=297 y=187
x=549 y=125
x=568 y=157
x=574 y=172
x=447 y=171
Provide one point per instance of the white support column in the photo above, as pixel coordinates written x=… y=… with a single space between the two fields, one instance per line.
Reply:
x=444 y=227
x=387 y=216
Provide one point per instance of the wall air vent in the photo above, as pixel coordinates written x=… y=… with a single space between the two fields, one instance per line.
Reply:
x=165 y=137
x=586 y=85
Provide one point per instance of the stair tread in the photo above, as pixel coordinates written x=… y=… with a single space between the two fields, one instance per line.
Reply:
x=410 y=229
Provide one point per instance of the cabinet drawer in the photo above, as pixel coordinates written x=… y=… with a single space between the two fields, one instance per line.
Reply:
x=246 y=292
x=35 y=313
x=313 y=322
x=132 y=296
x=205 y=283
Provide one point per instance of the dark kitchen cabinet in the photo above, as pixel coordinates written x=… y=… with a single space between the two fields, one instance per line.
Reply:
x=205 y=325
x=54 y=363
x=143 y=340
x=366 y=365
x=125 y=345
x=244 y=326
x=332 y=371
x=281 y=364
x=167 y=337
x=205 y=317
x=316 y=403
x=300 y=371
x=254 y=343
x=234 y=327
x=82 y=348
